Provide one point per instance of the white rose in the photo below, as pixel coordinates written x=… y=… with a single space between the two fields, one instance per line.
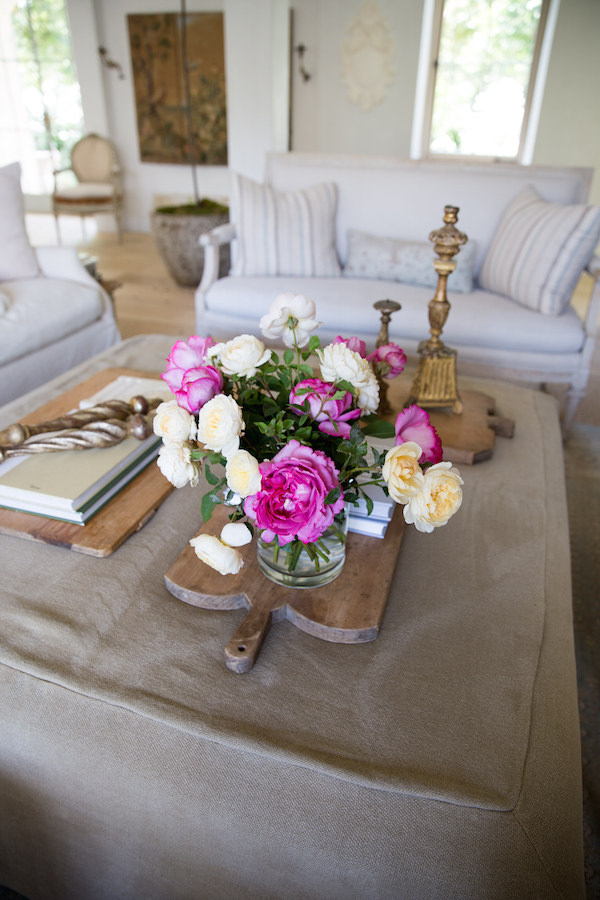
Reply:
x=402 y=472
x=243 y=355
x=175 y=462
x=217 y=555
x=236 y=534
x=220 y=424
x=242 y=473
x=291 y=318
x=439 y=498
x=339 y=363
x=173 y=423
x=214 y=352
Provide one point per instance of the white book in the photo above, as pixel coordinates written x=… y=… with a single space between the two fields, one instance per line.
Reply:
x=383 y=506
x=69 y=484
x=367 y=525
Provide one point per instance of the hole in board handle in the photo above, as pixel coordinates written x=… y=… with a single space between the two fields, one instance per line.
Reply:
x=242 y=648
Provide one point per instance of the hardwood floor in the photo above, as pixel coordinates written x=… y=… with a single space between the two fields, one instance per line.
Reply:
x=149 y=301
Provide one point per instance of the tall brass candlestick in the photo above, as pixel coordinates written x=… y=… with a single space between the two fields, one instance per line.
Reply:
x=386 y=307
x=434 y=385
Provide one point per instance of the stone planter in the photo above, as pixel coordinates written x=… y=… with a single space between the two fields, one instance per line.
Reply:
x=176 y=236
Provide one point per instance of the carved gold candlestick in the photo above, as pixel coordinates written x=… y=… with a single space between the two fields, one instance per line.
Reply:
x=434 y=385
x=386 y=307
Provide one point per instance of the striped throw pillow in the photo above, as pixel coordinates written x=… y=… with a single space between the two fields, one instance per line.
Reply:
x=539 y=251
x=283 y=233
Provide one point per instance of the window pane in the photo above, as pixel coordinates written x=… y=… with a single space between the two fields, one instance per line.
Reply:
x=40 y=103
x=484 y=64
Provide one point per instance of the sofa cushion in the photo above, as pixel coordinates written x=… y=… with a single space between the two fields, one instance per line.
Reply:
x=43 y=310
x=283 y=233
x=17 y=259
x=539 y=251
x=392 y=259
x=479 y=319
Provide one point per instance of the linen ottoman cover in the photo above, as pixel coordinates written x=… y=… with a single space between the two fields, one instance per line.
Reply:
x=441 y=760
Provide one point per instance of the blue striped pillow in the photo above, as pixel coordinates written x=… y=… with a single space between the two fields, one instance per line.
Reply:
x=283 y=233
x=539 y=251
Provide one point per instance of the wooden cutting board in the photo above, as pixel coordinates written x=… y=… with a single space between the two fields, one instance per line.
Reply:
x=348 y=610
x=467 y=438
x=126 y=513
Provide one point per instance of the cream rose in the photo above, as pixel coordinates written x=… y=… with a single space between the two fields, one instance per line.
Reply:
x=340 y=363
x=402 y=472
x=220 y=424
x=216 y=554
x=242 y=356
x=242 y=473
x=291 y=318
x=236 y=534
x=175 y=462
x=173 y=423
x=439 y=498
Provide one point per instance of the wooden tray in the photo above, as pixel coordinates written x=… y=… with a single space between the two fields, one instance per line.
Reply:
x=467 y=438
x=348 y=610
x=126 y=513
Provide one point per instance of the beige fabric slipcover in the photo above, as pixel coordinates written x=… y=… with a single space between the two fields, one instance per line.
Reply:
x=440 y=761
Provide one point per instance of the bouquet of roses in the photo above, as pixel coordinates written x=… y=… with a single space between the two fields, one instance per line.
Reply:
x=289 y=442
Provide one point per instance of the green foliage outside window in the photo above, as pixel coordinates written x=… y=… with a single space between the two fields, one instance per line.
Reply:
x=483 y=69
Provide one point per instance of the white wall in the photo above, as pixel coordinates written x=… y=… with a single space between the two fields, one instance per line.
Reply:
x=569 y=127
x=323 y=117
x=257 y=94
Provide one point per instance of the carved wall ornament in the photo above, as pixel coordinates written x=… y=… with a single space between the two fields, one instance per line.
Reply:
x=367 y=56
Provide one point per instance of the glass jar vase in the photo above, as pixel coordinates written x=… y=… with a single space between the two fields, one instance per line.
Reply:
x=306 y=565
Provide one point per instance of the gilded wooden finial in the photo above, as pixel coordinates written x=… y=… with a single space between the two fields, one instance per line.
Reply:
x=434 y=385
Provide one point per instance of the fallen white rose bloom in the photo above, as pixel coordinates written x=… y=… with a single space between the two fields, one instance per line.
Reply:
x=437 y=501
x=173 y=423
x=236 y=534
x=175 y=462
x=210 y=550
x=220 y=424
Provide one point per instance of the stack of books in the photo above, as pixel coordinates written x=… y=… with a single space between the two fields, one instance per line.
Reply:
x=375 y=524
x=72 y=485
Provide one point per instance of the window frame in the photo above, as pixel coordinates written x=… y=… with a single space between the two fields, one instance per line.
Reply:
x=534 y=73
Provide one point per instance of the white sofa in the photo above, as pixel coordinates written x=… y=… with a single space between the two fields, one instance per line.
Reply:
x=53 y=314
x=52 y=322
x=494 y=333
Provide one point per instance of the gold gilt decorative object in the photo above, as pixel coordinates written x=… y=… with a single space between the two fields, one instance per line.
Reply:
x=386 y=308
x=103 y=425
x=434 y=385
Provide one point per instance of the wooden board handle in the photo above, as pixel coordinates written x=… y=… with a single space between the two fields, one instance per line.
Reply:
x=244 y=646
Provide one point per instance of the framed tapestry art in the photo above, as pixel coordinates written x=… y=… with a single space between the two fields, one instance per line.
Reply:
x=159 y=75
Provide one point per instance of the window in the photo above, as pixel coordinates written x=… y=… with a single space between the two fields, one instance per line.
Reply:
x=482 y=76
x=40 y=104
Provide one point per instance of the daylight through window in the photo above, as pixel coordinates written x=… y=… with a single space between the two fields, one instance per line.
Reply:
x=483 y=75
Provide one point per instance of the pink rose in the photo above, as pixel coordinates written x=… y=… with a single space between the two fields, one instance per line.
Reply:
x=188 y=355
x=291 y=501
x=192 y=382
x=332 y=415
x=353 y=343
x=194 y=387
x=391 y=355
x=413 y=424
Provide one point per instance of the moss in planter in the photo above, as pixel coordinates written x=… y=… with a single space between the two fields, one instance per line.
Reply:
x=206 y=207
